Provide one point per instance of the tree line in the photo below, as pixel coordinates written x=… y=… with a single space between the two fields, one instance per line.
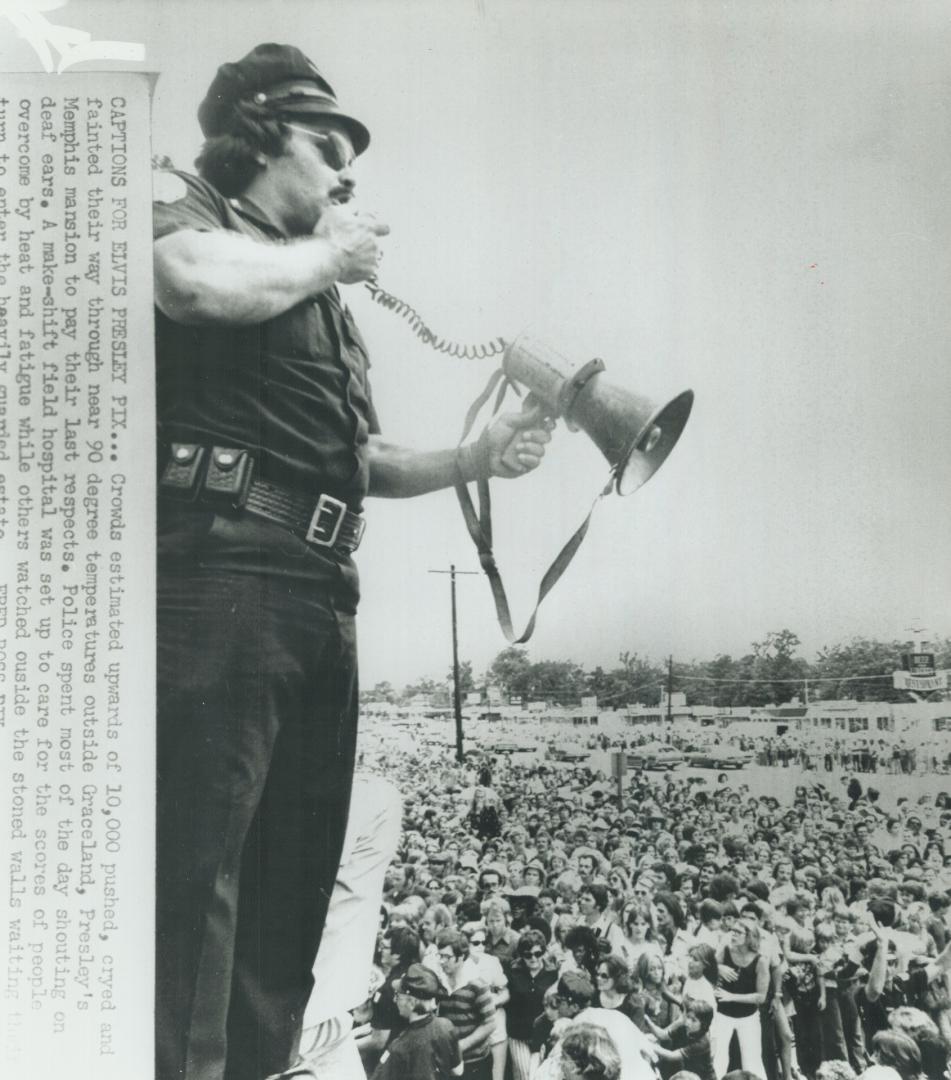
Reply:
x=772 y=673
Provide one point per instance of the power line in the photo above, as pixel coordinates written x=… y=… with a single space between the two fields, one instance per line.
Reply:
x=802 y=678
x=556 y=687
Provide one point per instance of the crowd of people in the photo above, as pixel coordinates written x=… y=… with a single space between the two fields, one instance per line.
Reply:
x=534 y=927
x=895 y=757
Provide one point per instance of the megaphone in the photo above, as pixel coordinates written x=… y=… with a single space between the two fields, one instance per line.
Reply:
x=633 y=433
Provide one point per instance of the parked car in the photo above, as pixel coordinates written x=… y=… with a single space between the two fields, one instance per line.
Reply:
x=655 y=756
x=508 y=746
x=559 y=753
x=719 y=757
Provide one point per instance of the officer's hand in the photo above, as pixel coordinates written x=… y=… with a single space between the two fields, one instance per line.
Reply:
x=354 y=237
x=517 y=441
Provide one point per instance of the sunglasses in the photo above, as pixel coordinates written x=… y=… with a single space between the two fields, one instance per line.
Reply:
x=477 y=941
x=536 y=953
x=335 y=147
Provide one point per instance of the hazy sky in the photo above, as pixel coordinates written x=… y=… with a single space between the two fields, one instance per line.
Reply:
x=748 y=199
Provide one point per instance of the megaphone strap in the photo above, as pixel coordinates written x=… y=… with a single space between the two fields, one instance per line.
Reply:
x=480 y=525
x=480 y=528
x=497 y=378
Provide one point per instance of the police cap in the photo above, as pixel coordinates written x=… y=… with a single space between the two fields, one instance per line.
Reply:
x=281 y=77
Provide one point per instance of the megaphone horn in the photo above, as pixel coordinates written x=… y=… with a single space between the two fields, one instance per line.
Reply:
x=633 y=433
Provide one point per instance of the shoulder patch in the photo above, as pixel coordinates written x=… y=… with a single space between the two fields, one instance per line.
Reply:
x=167 y=187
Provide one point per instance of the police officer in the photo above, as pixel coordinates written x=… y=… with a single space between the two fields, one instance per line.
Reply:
x=268 y=444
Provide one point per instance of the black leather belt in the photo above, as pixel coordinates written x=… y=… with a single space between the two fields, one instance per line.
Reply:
x=328 y=523
x=222 y=478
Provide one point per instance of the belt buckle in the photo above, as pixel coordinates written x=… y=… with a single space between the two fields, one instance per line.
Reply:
x=325 y=504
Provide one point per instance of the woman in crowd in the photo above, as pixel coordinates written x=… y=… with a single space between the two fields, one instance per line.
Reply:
x=638 y=926
x=619 y=886
x=557 y=948
x=702 y=975
x=528 y=980
x=614 y=984
x=658 y=1000
x=742 y=989
x=670 y=926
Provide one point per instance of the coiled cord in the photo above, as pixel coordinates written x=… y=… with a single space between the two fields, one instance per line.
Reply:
x=418 y=325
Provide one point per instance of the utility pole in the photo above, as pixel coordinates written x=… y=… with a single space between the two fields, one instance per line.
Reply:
x=456 y=695
x=670 y=692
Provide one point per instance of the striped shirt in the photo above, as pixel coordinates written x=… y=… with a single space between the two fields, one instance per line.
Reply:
x=469 y=1007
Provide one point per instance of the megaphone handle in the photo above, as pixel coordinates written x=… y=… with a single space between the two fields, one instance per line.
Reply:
x=480 y=525
x=480 y=530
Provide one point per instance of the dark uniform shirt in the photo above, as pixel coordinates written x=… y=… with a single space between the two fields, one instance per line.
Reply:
x=294 y=389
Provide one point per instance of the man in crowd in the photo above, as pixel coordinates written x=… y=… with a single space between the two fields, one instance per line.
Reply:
x=468 y=1003
x=268 y=444
x=490 y=883
x=428 y=1048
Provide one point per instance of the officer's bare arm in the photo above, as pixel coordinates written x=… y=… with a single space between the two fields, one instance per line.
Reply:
x=513 y=445
x=226 y=277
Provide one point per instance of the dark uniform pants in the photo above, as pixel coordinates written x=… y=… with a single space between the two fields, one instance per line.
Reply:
x=257 y=718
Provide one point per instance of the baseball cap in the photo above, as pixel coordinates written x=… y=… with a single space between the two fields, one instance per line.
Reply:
x=575 y=986
x=419 y=982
